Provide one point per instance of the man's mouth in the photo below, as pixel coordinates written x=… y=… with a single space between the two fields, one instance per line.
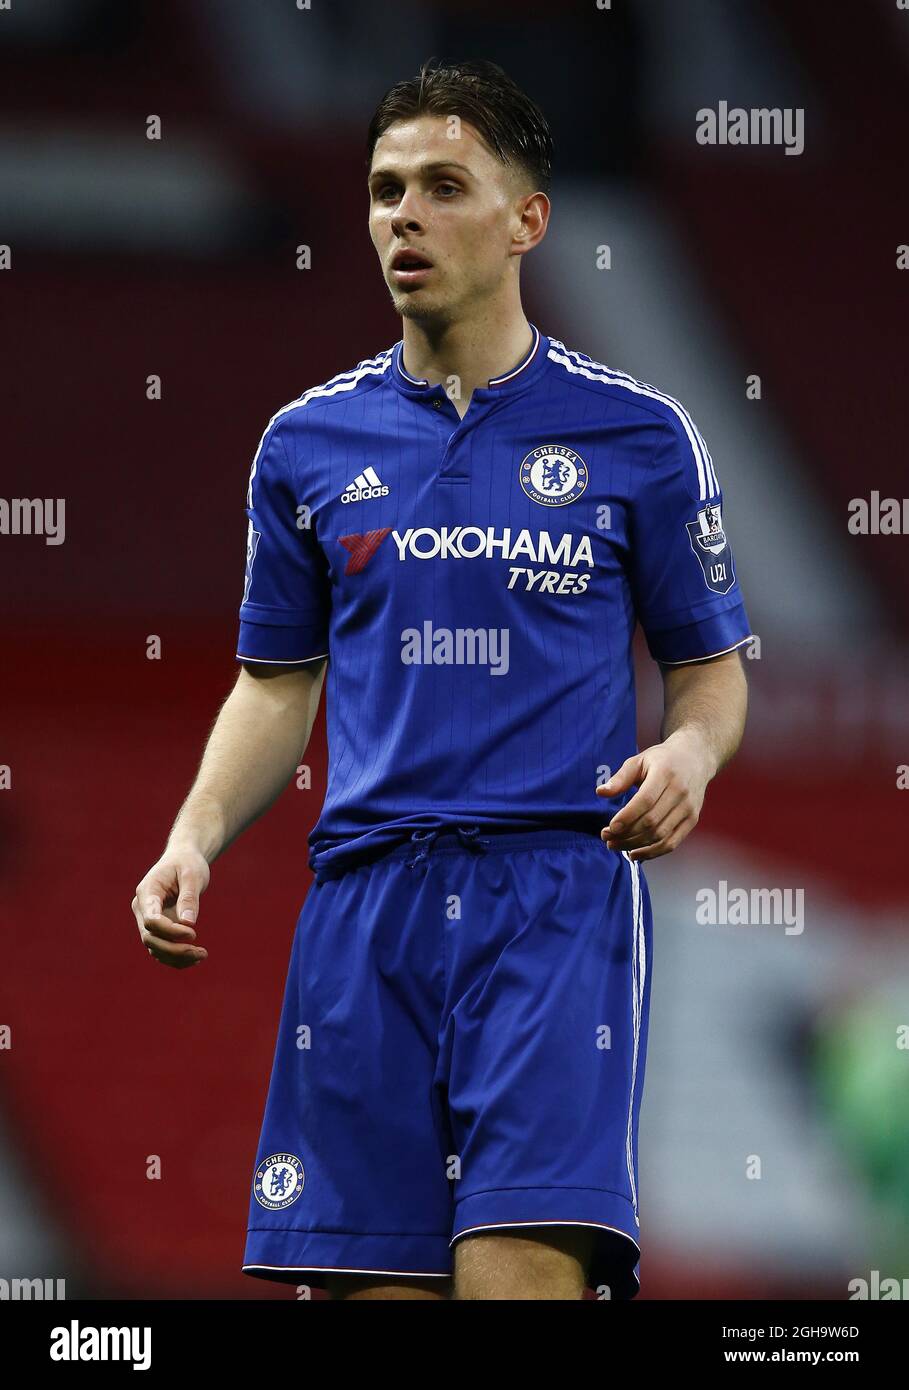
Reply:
x=409 y=267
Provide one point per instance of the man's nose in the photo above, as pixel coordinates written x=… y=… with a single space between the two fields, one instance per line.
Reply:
x=408 y=214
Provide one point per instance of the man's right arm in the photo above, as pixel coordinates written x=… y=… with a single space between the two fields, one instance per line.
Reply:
x=257 y=741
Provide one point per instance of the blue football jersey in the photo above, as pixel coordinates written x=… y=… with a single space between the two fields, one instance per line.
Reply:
x=476 y=583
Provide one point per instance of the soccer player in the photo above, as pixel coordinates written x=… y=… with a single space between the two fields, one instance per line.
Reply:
x=463 y=530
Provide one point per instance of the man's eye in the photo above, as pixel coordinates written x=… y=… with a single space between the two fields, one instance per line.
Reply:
x=390 y=191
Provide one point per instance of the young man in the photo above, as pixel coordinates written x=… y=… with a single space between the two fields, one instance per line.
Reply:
x=465 y=527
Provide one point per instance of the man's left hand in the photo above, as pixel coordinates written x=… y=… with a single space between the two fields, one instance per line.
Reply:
x=671 y=778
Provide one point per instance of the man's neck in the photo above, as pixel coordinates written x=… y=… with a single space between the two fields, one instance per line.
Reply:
x=463 y=356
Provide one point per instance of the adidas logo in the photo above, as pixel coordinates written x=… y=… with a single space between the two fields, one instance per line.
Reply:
x=365 y=484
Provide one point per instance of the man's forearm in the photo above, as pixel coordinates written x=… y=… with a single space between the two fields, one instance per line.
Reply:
x=260 y=734
x=709 y=701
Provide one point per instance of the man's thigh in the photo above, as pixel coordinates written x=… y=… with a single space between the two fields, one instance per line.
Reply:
x=355 y=1287
x=535 y=1263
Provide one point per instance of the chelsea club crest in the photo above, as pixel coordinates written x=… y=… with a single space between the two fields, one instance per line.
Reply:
x=278 y=1181
x=553 y=475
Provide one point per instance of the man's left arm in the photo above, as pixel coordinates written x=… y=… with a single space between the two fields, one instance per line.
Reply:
x=704 y=704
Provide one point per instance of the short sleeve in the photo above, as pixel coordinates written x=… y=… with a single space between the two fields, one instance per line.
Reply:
x=286 y=596
x=683 y=576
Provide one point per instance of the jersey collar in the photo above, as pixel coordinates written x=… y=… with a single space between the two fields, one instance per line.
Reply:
x=517 y=379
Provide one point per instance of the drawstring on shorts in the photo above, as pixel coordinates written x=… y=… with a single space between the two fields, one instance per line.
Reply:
x=469 y=835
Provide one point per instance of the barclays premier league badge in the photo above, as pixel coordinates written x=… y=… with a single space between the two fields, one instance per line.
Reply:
x=553 y=475
x=278 y=1181
x=252 y=545
x=709 y=543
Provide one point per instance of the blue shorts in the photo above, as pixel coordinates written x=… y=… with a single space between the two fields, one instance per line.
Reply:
x=461 y=1049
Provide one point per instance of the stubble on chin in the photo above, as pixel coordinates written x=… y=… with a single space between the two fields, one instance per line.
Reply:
x=422 y=309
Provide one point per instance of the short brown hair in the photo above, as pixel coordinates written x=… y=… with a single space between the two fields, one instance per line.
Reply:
x=481 y=93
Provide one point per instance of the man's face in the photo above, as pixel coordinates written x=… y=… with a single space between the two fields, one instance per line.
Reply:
x=451 y=203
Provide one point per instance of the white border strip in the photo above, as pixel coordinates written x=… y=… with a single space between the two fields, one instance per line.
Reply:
x=636 y=997
x=344 y=381
x=339 y=1269
x=689 y=661
x=594 y=1225
x=568 y=358
x=271 y=661
x=498 y=380
x=493 y=380
x=506 y=1225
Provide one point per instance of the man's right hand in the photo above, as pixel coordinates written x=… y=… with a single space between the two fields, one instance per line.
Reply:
x=167 y=903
